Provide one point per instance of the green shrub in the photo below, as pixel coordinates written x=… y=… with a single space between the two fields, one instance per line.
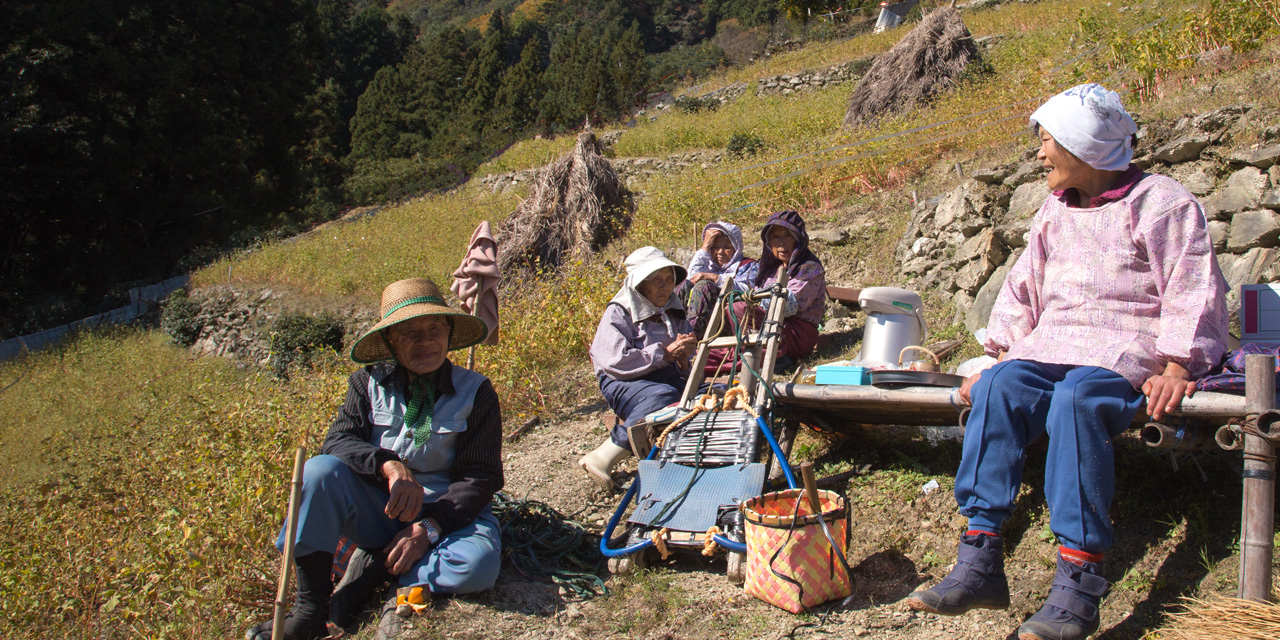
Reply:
x=694 y=104
x=745 y=144
x=180 y=318
x=296 y=337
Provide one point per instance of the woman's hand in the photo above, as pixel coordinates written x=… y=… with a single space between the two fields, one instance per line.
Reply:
x=1165 y=391
x=681 y=348
x=406 y=494
x=967 y=386
x=697 y=277
x=407 y=547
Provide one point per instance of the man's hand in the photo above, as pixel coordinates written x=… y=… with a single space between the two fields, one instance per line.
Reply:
x=408 y=546
x=1165 y=391
x=406 y=494
x=967 y=386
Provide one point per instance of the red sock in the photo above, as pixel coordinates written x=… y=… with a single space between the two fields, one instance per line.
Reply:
x=974 y=532
x=1079 y=557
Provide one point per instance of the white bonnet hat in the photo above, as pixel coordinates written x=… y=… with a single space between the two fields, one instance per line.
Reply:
x=643 y=262
x=1090 y=121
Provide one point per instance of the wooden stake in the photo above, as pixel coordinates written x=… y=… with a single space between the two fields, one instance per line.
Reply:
x=1257 y=513
x=810 y=486
x=291 y=532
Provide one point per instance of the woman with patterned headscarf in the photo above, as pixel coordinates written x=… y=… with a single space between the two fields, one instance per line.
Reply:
x=1117 y=296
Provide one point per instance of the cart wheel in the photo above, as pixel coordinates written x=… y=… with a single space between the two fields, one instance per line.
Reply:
x=630 y=563
x=737 y=567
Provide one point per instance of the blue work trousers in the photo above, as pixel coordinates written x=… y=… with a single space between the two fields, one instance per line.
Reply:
x=335 y=502
x=632 y=400
x=1082 y=409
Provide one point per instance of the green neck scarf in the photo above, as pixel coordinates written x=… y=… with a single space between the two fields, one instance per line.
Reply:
x=422 y=403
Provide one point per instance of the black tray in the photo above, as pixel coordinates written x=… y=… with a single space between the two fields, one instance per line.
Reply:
x=897 y=379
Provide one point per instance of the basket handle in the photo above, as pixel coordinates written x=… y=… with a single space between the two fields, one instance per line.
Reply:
x=936 y=359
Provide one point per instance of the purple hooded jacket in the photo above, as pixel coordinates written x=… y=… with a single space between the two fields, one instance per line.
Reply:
x=808 y=283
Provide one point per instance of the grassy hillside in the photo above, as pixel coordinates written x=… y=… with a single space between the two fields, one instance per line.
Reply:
x=143 y=485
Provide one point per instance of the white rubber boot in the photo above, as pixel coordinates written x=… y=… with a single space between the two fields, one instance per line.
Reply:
x=599 y=463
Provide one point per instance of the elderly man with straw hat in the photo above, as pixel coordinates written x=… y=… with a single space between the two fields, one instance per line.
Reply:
x=640 y=353
x=408 y=468
x=1118 y=295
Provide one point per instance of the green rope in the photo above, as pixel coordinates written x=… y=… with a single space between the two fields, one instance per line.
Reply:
x=542 y=544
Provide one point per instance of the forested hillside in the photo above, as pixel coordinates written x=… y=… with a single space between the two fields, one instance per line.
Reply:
x=139 y=139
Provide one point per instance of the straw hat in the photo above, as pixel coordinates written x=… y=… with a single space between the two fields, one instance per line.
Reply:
x=413 y=298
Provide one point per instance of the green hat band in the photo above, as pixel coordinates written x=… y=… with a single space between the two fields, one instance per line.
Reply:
x=418 y=300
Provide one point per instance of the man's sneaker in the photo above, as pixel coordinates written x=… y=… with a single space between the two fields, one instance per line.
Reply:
x=976 y=581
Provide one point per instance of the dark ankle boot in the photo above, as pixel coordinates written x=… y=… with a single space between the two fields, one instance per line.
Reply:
x=309 y=618
x=1071 y=610
x=366 y=577
x=976 y=581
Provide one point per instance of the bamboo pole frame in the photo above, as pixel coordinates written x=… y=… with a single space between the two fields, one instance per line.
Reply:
x=1257 y=512
x=291 y=532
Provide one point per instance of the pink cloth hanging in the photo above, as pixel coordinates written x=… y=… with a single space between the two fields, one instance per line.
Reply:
x=475 y=282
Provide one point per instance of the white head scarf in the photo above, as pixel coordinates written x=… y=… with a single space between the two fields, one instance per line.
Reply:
x=1090 y=121
x=641 y=264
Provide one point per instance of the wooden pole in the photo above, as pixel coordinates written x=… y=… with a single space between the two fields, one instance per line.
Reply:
x=291 y=532
x=471 y=354
x=1258 y=509
x=810 y=486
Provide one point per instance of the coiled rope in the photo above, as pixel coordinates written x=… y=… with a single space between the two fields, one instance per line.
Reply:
x=543 y=544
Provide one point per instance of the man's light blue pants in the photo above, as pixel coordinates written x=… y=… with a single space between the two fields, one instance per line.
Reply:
x=337 y=503
x=1082 y=409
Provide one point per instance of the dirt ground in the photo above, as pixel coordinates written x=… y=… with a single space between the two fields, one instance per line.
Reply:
x=1175 y=532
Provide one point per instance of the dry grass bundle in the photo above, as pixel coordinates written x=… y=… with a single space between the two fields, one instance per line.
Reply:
x=925 y=62
x=578 y=205
x=1219 y=617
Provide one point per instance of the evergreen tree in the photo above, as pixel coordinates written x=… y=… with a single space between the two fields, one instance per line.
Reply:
x=521 y=92
x=484 y=76
x=630 y=68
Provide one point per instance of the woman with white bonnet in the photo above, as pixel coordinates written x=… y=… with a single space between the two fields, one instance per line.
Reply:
x=640 y=353
x=1117 y=298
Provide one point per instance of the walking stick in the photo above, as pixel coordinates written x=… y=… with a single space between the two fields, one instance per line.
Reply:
x=291 y=531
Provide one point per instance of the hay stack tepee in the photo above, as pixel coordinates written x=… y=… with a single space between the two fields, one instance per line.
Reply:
x=578 y=205
x=925 y=62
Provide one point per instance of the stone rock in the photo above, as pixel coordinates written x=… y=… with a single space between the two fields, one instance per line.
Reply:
x=1242 y=191
x=1027 y=172
x=1220 y=118
x=1027 y=199
x=995 y=175
x=983 y=246
x=981 y=256
x=1014 y=234
x=955 y=206
x=830 y=236
x=923 y=246
x=977 y=315
x=1271 y=200
x=1253 y=229
x=1261 y=158
x=1218 y=231
x=1248 y=268
x=916 y=266
x=1183 y=148
x=1196 y=178
x=962 y=302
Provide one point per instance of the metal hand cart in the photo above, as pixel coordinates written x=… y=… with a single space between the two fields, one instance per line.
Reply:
x=707 y=460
